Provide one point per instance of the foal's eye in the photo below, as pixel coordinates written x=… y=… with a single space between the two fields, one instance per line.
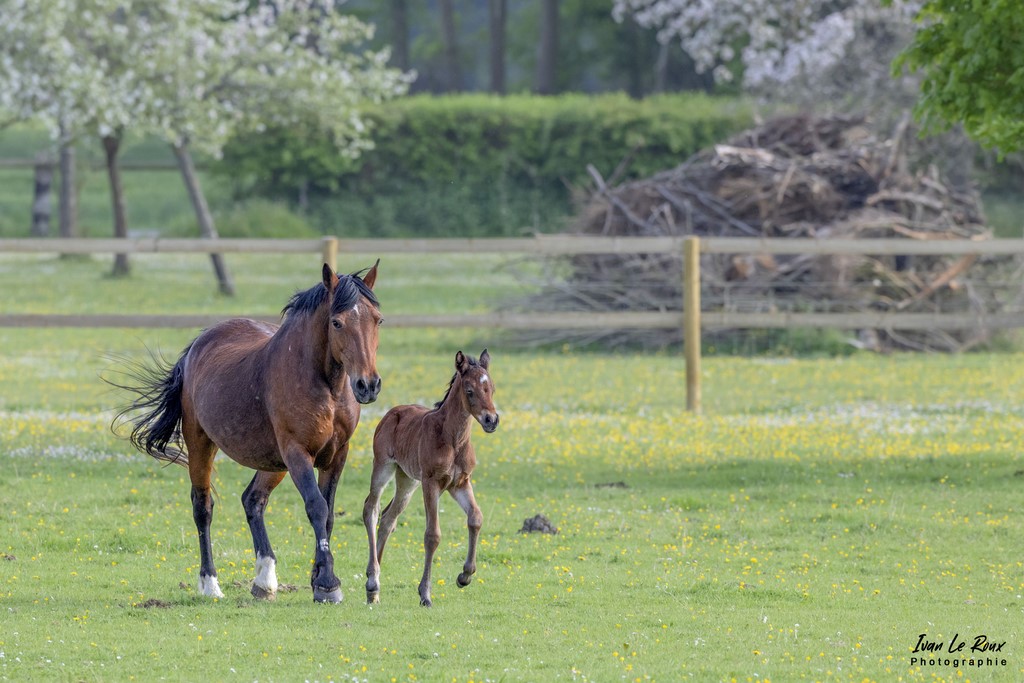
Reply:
x=469 y=393
x=336 y=324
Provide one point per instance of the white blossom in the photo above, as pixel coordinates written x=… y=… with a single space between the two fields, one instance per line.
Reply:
x=783 y=40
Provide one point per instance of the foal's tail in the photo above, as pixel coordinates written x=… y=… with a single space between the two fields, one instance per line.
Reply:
x=155 y=413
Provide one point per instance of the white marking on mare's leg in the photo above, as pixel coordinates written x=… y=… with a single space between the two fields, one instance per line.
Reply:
x=209 y=587
x=266 y=574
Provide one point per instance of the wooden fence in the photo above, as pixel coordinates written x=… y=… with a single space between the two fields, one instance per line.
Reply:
x=689 y=317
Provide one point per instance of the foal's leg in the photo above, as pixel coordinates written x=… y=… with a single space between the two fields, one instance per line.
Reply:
x=405 y=486
x=474 y=519
x=200 y=468
x=383 y=472
x=431 y=537
x=254 y=501
x=326 y=587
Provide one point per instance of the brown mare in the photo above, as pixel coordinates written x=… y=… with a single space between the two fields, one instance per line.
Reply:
x=415 y=444
x=278 y=399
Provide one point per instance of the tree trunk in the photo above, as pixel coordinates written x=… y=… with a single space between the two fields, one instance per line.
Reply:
x=42 y=205
x=400 y=34
x=449 y=35
x=547 y=52
x=203 y=216
x=111 y=145
x=498 y=13
x=68 y=188
x=661 y=68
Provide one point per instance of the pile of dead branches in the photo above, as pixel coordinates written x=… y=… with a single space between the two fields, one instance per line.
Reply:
x=792 y=177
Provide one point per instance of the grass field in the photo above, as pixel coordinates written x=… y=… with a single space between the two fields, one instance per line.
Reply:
x=818 y=518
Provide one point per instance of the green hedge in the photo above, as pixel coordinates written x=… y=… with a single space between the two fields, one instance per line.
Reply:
x=476 y=164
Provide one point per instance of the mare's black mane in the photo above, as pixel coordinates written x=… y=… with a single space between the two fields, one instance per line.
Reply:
x=346 y=295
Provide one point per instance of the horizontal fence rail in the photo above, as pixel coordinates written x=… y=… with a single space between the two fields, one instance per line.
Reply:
x=688 y=317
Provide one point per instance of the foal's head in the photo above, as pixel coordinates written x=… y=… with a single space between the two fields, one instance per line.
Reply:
x=474 y=387
x=352 y=332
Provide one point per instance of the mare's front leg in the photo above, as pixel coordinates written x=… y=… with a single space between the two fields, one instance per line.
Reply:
x=431 y=537
x=325 y=584
x=474 y=520
x=327 y=482
x=254 y=501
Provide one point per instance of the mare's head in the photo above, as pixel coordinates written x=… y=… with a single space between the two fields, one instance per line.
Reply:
x=474 y=387
x=352 y=329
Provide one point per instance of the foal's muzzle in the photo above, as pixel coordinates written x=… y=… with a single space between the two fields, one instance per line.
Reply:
x=489 y=422
x=366 y=388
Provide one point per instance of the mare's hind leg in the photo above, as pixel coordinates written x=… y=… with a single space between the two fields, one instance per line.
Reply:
x=254 y=501
x=474 y=519
x=200 y=469
x=383 y=472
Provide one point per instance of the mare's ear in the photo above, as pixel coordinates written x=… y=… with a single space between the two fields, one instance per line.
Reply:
x=330 y=278
x=461 y=364
x=371 y=275
x=485 y=359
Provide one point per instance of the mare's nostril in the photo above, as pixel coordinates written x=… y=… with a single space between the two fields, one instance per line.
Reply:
x=361 y=385
x=377 y=386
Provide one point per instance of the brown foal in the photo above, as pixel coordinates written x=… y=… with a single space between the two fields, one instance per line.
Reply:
x=415 y=444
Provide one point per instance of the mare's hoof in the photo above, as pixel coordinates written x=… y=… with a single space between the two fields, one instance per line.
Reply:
x=372 y=598
x=327 y=596
x=464 y=580
x=261 y=593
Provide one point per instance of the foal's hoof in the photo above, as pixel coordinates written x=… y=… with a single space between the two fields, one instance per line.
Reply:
x=327 y=596
x=425 y=602
x=372 y=597
x=464 y=580
x=261 y=593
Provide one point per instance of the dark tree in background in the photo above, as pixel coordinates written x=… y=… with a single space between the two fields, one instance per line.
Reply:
x=400 y=35
x=450 y=37
x=547 y=50
x=498 y=15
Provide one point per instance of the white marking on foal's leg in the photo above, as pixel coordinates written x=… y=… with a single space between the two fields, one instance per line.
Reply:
x=209 y=587
x=266 y=574
x=325 y=545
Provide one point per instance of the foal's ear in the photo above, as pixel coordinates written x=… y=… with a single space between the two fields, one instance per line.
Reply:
x=461 y=364
x=485 y=359
x=330 y=278
x=371 y=275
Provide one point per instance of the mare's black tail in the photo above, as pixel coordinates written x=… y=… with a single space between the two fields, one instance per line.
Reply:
x=155 y=413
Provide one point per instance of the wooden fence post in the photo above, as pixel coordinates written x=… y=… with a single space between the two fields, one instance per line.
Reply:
x=329 y=252
x=691 y=321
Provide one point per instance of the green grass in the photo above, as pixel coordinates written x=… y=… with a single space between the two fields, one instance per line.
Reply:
x=818 y=517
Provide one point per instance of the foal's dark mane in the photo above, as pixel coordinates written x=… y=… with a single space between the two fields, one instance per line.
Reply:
x=346 y=295
x=471 y=362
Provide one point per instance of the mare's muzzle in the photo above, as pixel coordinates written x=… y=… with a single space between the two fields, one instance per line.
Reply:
x=366 y=388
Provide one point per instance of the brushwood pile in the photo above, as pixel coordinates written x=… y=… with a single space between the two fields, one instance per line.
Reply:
x=792 y=177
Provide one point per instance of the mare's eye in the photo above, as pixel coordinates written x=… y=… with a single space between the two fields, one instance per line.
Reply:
x=469 y=393
x=336 y=324
x=380 y=322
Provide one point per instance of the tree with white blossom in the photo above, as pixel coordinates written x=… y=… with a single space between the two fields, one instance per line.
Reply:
x=776 y=43
x=193 y=72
